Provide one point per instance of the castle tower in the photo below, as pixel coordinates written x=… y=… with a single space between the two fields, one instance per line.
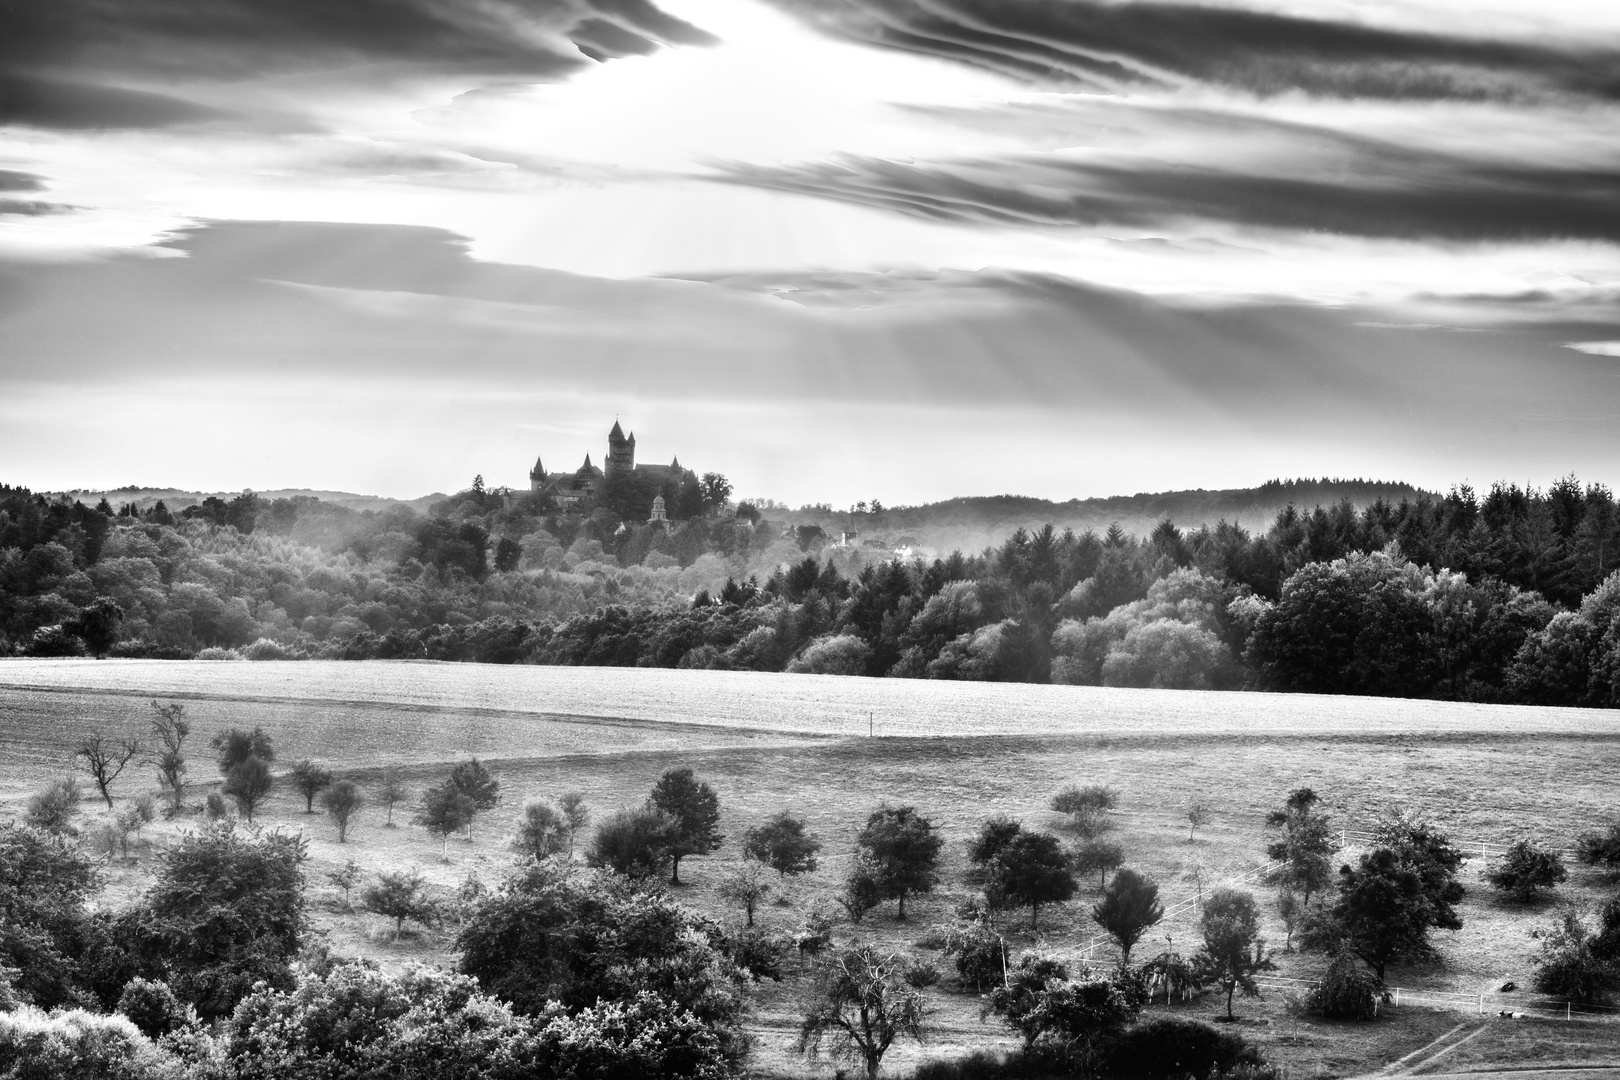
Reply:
x=621 y=456
x=537 y=476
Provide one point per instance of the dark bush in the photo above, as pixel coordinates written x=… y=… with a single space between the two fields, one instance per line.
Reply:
x=152 y=1007
x=1171 y=1048
x=1349 y=990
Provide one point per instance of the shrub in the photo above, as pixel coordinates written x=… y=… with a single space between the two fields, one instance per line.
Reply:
x=75 y=1045
x=1348 y=990
x=152 y=1007
x=214 y=652
x=758 y=952
x=1599 y=848
x=1526 y=868
x=980 y=952
x=634 y=843
x=266 y=649
x=835 y=654
x=53 y=808
x=783 y=844
x=1168 y=1048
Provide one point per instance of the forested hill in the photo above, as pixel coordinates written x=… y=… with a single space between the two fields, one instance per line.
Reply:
x=143 y=498
x=976 y=522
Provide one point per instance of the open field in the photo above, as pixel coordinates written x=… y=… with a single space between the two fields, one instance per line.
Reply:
x=1486 y=775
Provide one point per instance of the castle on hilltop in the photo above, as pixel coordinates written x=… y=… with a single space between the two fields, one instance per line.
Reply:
x=581 y=487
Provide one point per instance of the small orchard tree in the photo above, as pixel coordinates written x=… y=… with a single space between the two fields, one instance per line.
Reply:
x=1198 y=814
x=481 y=790
x=341 y=802
x=400 y=897
x=576 y=816
x=1306 y=846
x=694 y=811
x=391 y=790
x=309 y=780
x=1128 y=909
x=745 y=884
x=542 y=831
x=1018 y=999
x=1578 y=963
x=1098 y=857
x=634 y=843
x=863 y=890
x=170 y=729
x=1087 y=808
x=345 y=878
x=234 y=746
x=445 y=810
x=861 y=1003
x=1032 y=870
x=783 y=844
x=105 y=758
x=902 y=847
x=1525 y=869
x=1233 y=949
x=1291 y=910
x=1383 y=911
x=248 y=784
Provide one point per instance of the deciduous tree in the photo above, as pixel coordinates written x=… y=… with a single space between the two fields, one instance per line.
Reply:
x=1233 y=949
x=784 y=844
x=902 y=847
x=1526 y=868
x=105 y=758
x=746 y=884
x=1032 y=869
x=400 y=896
x=170 y=728
x=694 y=812
x=1128 y=909
x=391 y=790
x=542 y=832
x=445 y=810
x=860 y=1005
x=310 y=779
x=634 y=843
x=342 y=801
x=248 y=783
x=235 y=746
x=1306 y=847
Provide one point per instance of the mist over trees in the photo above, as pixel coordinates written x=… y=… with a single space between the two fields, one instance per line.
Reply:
x=1509 y=596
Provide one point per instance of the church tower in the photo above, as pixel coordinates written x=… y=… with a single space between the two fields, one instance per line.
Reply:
x=621 y=455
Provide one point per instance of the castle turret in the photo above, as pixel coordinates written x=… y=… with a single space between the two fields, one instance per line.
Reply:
x=537 y=476
x=621 y=456
x=658 y=515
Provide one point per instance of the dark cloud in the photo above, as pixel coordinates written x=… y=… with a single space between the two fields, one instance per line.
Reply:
x=30 y=208
x=1385 y=191
x=90 y=63
x=1106 y=44
x=12 y=180
x=58 y=103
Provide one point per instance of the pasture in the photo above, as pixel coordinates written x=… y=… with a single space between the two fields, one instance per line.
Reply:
x=959 y=752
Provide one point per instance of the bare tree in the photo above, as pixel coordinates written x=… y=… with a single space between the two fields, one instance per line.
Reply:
x=170 y=727
x=104 y=759
x=862 y=1002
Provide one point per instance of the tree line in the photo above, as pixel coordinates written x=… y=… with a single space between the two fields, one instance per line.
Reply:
x=1509 y=597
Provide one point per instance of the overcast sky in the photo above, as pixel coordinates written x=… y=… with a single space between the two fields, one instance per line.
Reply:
x=836 y=249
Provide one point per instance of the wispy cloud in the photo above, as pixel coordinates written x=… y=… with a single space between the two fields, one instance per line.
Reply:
x=1109 y=45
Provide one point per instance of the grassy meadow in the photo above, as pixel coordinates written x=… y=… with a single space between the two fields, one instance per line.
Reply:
x=959 y=752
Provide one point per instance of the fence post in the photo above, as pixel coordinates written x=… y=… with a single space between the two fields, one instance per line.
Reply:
x=1397 y=997
x=1482 y=1004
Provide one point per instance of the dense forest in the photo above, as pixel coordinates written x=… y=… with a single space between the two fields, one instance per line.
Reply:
x=1509 y=596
